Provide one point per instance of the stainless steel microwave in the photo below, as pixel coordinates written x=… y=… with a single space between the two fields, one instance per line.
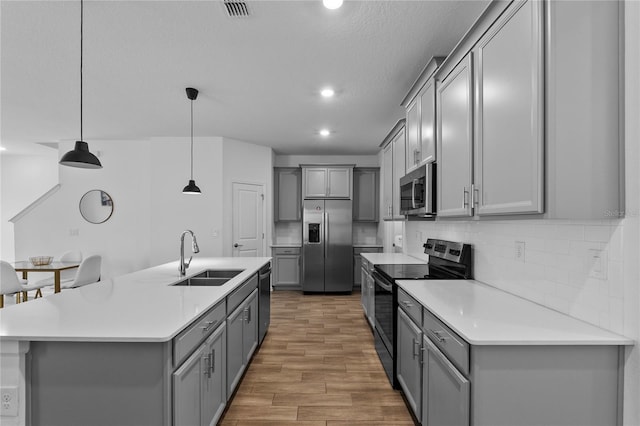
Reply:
x=418 y=192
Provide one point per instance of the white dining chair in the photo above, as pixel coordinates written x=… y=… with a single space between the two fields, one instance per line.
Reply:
x=88 y=273
x=10 y=283
x=68 y=275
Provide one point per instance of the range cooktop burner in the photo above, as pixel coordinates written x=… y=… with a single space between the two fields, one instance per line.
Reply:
x=413 y=272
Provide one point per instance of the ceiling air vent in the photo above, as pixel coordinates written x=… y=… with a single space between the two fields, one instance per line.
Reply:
x=236 y=9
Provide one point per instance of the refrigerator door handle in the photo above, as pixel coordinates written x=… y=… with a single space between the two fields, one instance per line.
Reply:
x=325 y=220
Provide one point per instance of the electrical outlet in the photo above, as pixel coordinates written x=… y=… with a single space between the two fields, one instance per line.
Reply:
x=597 y=263
x=215 y=233
x=9 y=401
x=519 y=251
x=74 y=232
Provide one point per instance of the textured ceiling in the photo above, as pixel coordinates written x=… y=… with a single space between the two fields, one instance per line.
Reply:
x=258 y=76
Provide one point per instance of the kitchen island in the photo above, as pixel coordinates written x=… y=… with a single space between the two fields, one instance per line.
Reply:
x=134 y=349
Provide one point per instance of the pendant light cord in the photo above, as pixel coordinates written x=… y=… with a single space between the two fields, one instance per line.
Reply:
x=81 y=33
x=191 y=139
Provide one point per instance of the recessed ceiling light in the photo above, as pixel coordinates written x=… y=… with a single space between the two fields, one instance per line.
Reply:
x=327 y=92
x=332 y=4
x=325 y=132
x=2 y=148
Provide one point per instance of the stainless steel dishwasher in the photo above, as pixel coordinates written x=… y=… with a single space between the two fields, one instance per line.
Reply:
x=264 y=302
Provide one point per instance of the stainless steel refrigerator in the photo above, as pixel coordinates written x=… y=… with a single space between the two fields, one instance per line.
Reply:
x=327 y=251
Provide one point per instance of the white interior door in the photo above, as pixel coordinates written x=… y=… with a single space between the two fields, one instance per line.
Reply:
x=248 y=219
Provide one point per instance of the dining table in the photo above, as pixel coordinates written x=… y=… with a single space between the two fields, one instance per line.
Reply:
x=26 y=266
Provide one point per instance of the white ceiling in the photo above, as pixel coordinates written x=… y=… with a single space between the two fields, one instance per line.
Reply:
x=258 y=76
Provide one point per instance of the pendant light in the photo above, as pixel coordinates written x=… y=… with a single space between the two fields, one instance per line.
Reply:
x=80 y=155
x=191 y=188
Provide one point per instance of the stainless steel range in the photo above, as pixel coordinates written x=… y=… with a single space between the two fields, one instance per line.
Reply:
x=447 y=261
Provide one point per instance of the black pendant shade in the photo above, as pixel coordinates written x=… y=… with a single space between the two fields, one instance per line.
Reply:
x=81 y=157
x=191 y=188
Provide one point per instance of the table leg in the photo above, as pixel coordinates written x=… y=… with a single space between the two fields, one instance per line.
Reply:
x=56 y=281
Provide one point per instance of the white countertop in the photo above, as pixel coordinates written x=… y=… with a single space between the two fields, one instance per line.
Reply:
x=286 y=245
x=391 y=258
x=141 y=306
x=485 y=315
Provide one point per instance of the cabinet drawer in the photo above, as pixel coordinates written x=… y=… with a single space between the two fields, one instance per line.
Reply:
x=241 y=293
x=286 y=250
x=189 y=339
x=410 y=306
x=452 y=345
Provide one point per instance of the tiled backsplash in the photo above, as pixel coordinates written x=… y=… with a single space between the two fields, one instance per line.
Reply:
x=570 y=266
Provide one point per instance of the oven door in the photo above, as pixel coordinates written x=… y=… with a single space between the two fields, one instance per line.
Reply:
x=384 y=310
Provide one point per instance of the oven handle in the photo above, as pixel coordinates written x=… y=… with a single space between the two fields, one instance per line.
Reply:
x=382 y=282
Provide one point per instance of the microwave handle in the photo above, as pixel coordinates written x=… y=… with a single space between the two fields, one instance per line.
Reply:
x=413 y=193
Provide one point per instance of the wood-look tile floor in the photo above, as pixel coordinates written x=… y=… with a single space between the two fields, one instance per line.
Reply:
x=317 y=366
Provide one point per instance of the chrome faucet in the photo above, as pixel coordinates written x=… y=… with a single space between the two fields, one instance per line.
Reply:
x=194 y=247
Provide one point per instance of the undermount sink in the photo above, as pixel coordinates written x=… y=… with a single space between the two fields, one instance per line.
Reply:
x=212 y=273
x=209 y=278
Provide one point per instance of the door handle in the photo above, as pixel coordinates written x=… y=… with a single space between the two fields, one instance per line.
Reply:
x=326 y=232
x=213 y=361
x=413 y=193
x=236 y=245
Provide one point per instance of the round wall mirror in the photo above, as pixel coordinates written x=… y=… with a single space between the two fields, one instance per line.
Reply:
x=96 y=206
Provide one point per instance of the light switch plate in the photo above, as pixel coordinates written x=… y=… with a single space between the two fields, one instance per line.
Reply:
x=519 y=251
x=597 y=263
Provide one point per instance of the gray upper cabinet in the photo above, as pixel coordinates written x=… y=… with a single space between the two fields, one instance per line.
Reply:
x=288 y=193
x=413 y=135
x=428 y=123
x=455 y=137
x=327 y=182
x=420 y=104
x=387 y=182
x=393 y=168
x=365 y=194
x=508 y=65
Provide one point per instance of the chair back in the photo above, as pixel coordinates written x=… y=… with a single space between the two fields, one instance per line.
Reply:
x=70 y=256
x=88 y=272
x=9 y=281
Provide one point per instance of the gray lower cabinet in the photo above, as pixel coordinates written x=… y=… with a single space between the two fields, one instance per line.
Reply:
x=445 y=396
x=367 y=289
x=409 y=357
x=286 y=267
x=357 y=263
x=199 y=385
x=242 y=339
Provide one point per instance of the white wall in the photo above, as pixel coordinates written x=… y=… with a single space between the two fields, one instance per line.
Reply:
x=145 y=179
x=171 y=211
x=23 y=179
x=246 y=163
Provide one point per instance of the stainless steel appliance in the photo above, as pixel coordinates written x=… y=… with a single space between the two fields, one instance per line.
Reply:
x=447 y=260
x=264 y=301
x=327 y=246
x=418 y=192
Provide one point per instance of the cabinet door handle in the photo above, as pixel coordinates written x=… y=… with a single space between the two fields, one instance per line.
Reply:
x=207 y=370
x=208 y=324
x=465 y=195
x=475 y=195
x=416 y=345
x=407 y=304
x=213 y=361
x=436 y=335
